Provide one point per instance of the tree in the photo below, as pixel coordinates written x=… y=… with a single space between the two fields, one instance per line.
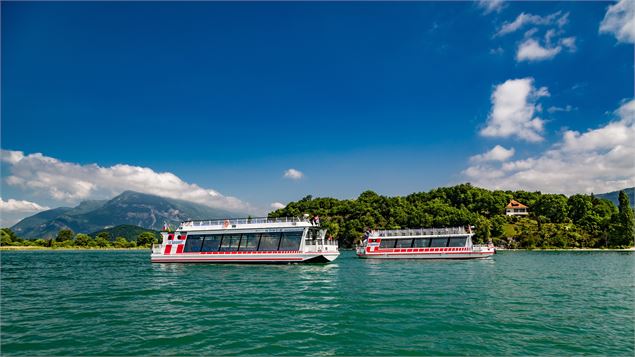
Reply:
x=83 y=240
x=102 y=242
x=104 y=235
x=146 y=239
x=624 y=224
x=64 y=235
x=7 y=237
x=553 y=207
x=120 y=242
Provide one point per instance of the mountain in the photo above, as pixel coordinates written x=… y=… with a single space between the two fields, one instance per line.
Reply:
x=613 y=196
x=133 y=208
x=127 y=231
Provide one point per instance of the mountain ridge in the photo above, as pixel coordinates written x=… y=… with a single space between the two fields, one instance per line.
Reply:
x=128 y=208
x=613 y=196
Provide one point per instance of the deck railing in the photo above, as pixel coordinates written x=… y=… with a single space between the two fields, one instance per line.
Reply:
x=419 y=232
x=233 y=221
x=156 y=248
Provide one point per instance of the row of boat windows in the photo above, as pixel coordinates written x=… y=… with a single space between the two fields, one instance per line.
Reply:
x=423 y=242
x=243 y=242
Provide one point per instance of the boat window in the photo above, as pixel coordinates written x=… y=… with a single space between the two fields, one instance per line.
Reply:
x=387 y=243
x=457 y=242
x=230 y=243
x=269 y=241
x=421 y=242
x=290 y=241
x=404 y=243
x=193 y=244
x=211 y=243
x=439 y=242
x=249 y=242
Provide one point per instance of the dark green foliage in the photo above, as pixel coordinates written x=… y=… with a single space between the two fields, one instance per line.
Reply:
x=146 y=239
x=554 y=220
x=552 y=207
x=127 y=231
x=64 y=235
x=614 y=196
x=623 y=223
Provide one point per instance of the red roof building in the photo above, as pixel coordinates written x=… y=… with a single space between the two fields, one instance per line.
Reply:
x=515 y=208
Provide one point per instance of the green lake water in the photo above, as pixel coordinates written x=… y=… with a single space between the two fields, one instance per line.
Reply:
x=517 y=303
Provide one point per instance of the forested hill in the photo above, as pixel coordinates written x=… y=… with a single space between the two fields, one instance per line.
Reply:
x=555 y=220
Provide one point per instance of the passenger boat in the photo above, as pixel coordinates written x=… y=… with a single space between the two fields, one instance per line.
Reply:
x=425 y=243
x=246 y=240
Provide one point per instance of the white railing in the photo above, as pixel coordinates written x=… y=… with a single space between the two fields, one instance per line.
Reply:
x=419 y=232
x=233 y=221
x=156 y=248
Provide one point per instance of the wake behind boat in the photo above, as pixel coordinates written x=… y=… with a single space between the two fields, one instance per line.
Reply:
x=246 y=240
x=424 y=243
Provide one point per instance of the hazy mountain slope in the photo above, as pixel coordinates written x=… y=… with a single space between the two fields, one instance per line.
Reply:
x=132 y=208
x=614 y=196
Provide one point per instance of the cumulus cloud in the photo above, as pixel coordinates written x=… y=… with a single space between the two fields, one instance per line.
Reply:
x=11 y=211
x=12 y=205
x=531 y=50
x=293 y=174
x=598 y=160
x=514 y=105
x=490 y=6
x=71 y=182
x=619 y=20
x=278 y=205
x=497 y=153
x=532 y=47
x=556 y=19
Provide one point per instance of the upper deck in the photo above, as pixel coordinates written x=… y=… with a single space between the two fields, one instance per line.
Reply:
x=421 y=232
x=244 y=223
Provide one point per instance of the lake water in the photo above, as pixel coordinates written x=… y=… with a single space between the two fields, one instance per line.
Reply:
x=118 y=303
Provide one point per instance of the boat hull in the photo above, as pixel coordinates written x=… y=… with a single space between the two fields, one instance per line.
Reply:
x=427 y=256
x=246 y=258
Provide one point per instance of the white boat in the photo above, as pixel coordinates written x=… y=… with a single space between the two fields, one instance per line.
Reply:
x=424 y=243
x=246 y=240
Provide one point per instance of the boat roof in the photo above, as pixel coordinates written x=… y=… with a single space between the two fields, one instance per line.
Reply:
x=249 y=222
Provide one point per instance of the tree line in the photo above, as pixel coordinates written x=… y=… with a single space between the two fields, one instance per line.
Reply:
x=66 y=238
x=555 y=220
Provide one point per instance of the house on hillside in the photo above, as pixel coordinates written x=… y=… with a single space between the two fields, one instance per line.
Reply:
x=515 y=208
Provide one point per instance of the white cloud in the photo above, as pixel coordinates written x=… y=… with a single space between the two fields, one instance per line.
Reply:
x=513 y=109
x=12 y=211
x=71 y=182
x=531 y=50
x=497 y=153
x=620 y=21
x=12 y=205
x=278 y=205
x=566 y=109
x=598 y=160
x=528 y=19
x=491 y=5
x=293 y=174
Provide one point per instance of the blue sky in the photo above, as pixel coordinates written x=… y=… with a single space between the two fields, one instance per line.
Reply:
x=392 y=97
